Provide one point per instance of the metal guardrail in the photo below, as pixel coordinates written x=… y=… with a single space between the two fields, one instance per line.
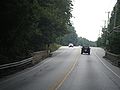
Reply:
x=29 y=60
x=36 y=56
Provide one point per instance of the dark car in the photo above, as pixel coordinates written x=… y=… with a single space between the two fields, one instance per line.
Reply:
x=85 y=49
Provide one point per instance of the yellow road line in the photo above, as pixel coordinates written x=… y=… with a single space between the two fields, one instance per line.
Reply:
x=68 y=73
x=59 y=82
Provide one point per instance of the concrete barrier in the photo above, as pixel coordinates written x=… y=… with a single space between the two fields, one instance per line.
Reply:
x=115 y=59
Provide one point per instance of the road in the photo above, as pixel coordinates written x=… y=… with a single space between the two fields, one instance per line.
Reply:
x=67 y=69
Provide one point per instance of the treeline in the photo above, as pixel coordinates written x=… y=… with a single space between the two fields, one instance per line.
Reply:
x=110 y=38
x=31 y=25
x=83 y=41
x=73 y=38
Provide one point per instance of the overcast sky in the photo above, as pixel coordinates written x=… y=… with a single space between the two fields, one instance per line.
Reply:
x=89 y=16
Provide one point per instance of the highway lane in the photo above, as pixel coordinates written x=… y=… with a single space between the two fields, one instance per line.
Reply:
x=92 y=73
x=44 y=75
x=67 y=69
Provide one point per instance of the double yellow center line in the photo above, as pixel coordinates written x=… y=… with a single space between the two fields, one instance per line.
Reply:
x=59 y=82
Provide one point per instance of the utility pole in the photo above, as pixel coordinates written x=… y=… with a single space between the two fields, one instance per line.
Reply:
x=115 y=13
x=108 y=17
x=106 y=30
x=105 y=24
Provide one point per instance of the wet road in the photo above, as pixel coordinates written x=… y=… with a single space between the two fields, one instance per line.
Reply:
x=67 y=69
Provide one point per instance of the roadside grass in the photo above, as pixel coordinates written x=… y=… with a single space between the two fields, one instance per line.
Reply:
x=54 y=47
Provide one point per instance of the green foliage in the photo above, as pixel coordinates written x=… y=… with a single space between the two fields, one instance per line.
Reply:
x=30 y=25
x=99 y=42
x=54 y=47
x=16 y=20
x=72 y=37
x=110 y=39
x=85 y=42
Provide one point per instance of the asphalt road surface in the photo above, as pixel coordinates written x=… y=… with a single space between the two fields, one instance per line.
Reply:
x=67 y=69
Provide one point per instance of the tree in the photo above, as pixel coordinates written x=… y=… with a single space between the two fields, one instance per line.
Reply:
x=85 y=42
x=29 y=25
x=71 y=37
x=110 y=33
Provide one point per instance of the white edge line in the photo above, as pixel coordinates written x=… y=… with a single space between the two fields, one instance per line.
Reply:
x=28 y=70
x=106 y=66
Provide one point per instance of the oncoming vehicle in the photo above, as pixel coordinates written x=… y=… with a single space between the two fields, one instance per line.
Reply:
x=85 y=49
x=70 y=45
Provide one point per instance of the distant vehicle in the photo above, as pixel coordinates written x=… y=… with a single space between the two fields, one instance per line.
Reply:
x=85 y=49
x=70 y=45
